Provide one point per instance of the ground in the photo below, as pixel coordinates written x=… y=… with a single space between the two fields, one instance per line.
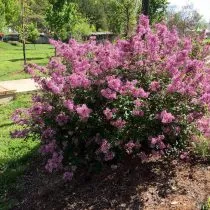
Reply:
x=11 y=59
x=130 y=185
x=158 y=185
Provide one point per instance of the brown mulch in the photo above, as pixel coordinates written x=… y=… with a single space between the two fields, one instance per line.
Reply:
x=153 y=185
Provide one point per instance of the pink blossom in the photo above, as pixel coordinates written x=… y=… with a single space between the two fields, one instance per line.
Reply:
x=139 y=92
x=138 y=103
x=54 y=87
x=129 y=147
x=19 y=133
x=48 y=133
x=69 y=104
x=55 y=162
x=62 y=119
x=155 y=140
x=79 y=80
x=105 y=146
x=83 y=111
x=154 y=86
x=48 y=148
x=184 y=156
x=203 y=125
x=108 y=93
x=139 y=113
x=128 y=87
x=166 y=117
x=108 y=113
x=119 y=123
x=114 y=84
x=67 y=176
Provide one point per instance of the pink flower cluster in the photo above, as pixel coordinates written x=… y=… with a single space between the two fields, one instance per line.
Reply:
x=105 y=149
x=158 y=141
x=83 y=111
x=130 y=146
x=119 y=123
x=166 y=117
x=94 y=97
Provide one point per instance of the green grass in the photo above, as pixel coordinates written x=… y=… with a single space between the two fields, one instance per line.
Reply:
x=11 y=59
x=14 y=153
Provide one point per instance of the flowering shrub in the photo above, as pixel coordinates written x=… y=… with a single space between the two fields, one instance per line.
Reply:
x=148 y=95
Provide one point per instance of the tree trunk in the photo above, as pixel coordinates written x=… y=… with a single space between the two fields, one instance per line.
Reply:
x=23 y=31
x=24 y=52
x=145 y=7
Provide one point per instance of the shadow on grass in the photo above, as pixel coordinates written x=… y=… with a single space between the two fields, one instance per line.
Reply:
x=6 y=124
x=9 y=173
x=28 y=59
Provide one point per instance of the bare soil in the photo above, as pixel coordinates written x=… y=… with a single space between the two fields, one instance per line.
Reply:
x=152 y=185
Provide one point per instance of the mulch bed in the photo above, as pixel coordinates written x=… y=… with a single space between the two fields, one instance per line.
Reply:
x=152 y=185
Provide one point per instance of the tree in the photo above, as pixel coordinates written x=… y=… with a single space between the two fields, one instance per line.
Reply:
x=118 y=16
x=22 y=29
x=9 y=12
x=94 y=11
x=64 y=20
x=186 y=20
x=145 y=7
x=122 y=15
x=38 y=12
x=33 y=33
x=157 y=10
x=2 y=15
x=24 y=25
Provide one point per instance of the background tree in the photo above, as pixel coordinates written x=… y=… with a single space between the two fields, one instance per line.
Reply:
x=33 y=33
x=12 y=12
x=9 y=13
x=64 y=20
x=94 y=11
x=186 y=20
x=38 y=13
x=65 y=17
x=157 y=10
x=122 y=15
x=23 y=26
x=2 y=15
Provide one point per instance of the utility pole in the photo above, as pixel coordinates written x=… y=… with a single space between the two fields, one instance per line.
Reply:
x=23 y=30
x=145 y=7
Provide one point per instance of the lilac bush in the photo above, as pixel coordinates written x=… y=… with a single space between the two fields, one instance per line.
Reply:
x=148 y=95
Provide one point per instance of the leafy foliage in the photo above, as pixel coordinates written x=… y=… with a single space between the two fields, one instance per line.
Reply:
x=33 y=33
x=157 y=10
x=65 y=17
x=2 y=15
x=65 y=21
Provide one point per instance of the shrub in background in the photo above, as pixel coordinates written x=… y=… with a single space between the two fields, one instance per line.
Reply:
x=148 y=95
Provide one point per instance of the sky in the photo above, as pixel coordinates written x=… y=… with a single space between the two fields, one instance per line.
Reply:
x=202 y=6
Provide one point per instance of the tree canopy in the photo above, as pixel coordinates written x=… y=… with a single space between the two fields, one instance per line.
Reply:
x=185 y=20
x=78 y=17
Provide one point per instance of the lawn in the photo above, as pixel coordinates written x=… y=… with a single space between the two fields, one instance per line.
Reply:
x=14 y=153
x=11 y=59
